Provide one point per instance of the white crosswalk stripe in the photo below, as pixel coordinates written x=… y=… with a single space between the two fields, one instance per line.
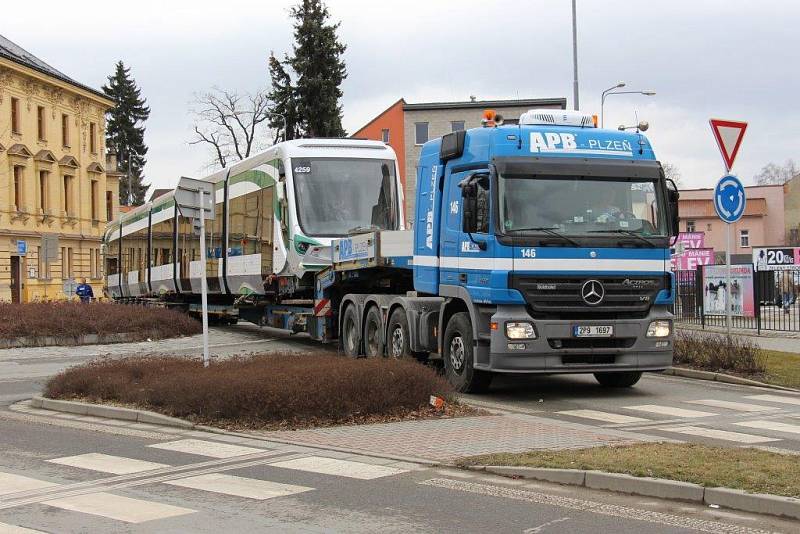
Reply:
x=776 y=426
x=105 y=463
x=776 y=398
x=13 y=529
x=118 y=507
x=333 y=466
x=206 y=448
x=718 y=434
x=250 y=488
x=11 y=483
x=731 y=405
x=604 y=416
x=669 y=410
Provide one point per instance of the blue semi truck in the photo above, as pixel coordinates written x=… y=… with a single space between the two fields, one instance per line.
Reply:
x=537 y=247
x=541 y=246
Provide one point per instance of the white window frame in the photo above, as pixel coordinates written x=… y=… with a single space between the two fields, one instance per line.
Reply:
x=744 y=238
x=691 y=226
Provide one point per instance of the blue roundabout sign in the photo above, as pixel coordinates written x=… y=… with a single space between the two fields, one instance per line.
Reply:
x=729 y=199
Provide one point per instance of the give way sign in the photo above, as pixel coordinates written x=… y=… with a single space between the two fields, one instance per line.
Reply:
x=729 y=135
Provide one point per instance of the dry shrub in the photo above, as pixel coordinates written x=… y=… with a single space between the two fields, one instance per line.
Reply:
x=717 y=352
x=71 y=320
x=283 y=389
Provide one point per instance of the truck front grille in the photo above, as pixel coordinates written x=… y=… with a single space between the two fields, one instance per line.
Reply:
x=559 y=297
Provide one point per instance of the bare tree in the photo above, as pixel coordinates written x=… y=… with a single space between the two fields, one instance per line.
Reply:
x=672 y=172
x=777 y=174
x=234 y=124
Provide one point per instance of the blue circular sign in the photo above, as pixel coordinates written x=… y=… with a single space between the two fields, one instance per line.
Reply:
x=729 y=199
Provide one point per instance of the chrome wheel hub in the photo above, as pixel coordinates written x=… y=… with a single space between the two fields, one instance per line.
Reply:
x=457 y=353
x=398 y=342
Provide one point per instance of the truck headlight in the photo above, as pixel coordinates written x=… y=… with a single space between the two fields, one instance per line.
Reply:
x=520 y=331
x=659 y=329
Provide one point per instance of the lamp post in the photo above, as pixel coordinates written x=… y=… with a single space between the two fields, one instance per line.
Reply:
x=610 y=91
x=574 y=57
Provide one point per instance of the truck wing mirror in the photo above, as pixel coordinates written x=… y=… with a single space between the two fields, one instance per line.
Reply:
x=672 y=199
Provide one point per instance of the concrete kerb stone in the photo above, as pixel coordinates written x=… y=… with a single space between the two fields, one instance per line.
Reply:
x=79 y=408
x=733 y=499
x=721 y=377
x=753 y=502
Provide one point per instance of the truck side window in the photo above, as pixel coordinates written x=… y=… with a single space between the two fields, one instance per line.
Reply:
x=483 y=205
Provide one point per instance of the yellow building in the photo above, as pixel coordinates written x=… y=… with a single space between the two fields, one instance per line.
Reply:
x=53 y=179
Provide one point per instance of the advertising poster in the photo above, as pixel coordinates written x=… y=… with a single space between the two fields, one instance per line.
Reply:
x=692 y=239
x=714 y=285
x=776 y=258
x=691 y=258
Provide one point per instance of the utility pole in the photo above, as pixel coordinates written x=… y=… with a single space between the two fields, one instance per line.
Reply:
x=574 y=56
x=130 y=192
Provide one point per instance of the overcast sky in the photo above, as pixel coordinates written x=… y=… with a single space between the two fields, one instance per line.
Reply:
x=734 y=59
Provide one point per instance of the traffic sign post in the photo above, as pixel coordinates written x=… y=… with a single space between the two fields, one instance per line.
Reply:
x=195 y=198
x=729 y=194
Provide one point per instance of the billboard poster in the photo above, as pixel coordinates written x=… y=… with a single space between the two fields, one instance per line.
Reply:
x=691 y=258
x=692 y=239
x=714 y=285
x=776 y=258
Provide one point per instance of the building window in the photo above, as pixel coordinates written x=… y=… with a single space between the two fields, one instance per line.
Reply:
x=385 y=135
x=43 y=204
x=456 y=126
x=92 y=138
x=744 y=238
x=97 y=265
x=19 y=186
x=708 y=227
x=65 y=130
x=66 y=262
x=15 y=115
x=94 y=200
x=690 y=226
x=109 y=206
x=41 y=123
x=421 y=131
x=67 y=194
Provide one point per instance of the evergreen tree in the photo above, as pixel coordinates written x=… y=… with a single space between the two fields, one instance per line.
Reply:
x=282 y=97
x=320 y=70
x=125 y=132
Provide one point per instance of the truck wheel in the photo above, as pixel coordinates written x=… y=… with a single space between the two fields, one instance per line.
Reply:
x=373 y=336
x=398 y=335
x=351 y=332
x=623 y=379
x=459 y=357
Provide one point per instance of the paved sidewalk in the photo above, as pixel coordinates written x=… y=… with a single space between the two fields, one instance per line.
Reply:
x=768 y=340
x=444 y=440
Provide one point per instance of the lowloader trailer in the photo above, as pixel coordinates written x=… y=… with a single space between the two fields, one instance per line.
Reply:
x=537 y=247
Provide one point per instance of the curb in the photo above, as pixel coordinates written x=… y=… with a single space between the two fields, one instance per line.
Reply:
x=144 y=416
x=761 y=503
x=721 y=377
x=67 y=341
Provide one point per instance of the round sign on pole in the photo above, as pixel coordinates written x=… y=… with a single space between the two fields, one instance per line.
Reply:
x=729 y=199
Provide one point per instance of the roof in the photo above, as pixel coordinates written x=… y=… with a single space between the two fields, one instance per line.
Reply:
x=704 y=208
x=159 y=192
x=17 y=54
x=484 y=104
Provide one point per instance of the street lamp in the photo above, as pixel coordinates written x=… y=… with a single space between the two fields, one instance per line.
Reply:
x=610 y=91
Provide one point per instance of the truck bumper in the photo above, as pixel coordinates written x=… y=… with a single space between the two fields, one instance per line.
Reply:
x=556 y=350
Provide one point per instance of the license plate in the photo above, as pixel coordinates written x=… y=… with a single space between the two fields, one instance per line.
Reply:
x=592 y=331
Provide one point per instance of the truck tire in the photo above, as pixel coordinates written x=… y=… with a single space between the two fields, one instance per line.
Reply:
x=459 y=357
x=397 y=338
x=624 y=379
x=351 y=332
x=373 y=334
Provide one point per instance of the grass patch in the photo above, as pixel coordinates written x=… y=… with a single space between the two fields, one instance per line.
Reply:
x=782 y=368
x=718 y=353
x=275 y=391
x=752 y=470
x=71 y=320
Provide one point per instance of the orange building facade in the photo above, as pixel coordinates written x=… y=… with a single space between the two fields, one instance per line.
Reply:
x=389 y=127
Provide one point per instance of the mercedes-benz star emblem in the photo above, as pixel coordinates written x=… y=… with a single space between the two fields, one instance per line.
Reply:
x=592 y=292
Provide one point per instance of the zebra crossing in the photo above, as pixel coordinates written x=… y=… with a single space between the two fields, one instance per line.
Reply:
x=749 y=420
x=102 y=497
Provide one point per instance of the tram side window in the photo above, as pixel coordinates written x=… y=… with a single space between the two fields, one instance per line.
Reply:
x=161 y=253
x=251 y=223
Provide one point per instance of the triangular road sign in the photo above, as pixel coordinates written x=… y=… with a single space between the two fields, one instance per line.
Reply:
x=729 y=135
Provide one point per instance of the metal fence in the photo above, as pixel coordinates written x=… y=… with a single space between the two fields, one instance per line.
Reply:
x=775 y=296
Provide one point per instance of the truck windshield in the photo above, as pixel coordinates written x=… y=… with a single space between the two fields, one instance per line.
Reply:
x=581 y=205
x=337 y=195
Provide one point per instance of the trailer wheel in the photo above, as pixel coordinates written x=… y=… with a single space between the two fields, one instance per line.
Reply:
x=397 y=342
x=373 y=337
x=459 y=357
x=623 y=379
x=351 y=332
